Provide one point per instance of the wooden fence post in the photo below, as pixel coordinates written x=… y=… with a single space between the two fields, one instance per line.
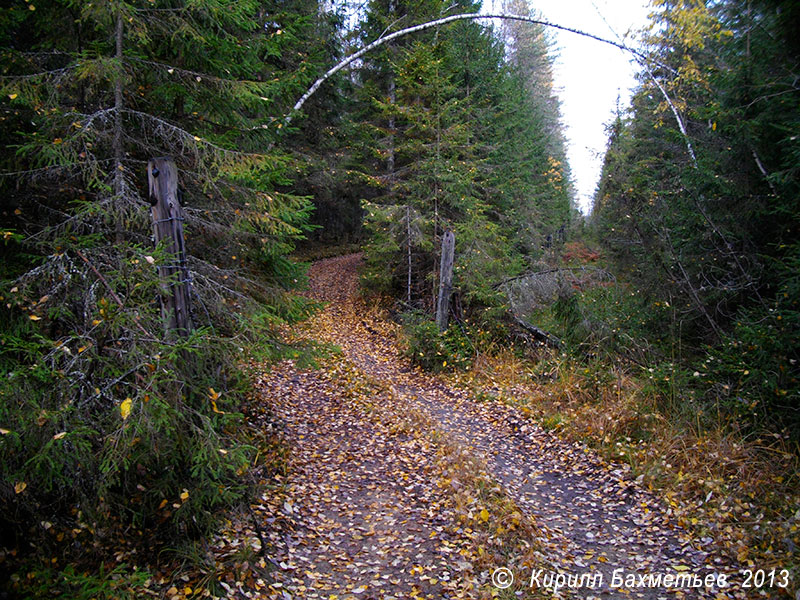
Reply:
x=162 y=179
x=445 y=279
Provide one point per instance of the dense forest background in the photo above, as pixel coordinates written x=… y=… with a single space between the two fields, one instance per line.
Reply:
x=685 y=275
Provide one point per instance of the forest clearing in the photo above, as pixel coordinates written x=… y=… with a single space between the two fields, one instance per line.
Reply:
x=301 y=299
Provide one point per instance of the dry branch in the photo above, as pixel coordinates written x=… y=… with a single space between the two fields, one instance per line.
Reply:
x=436 y=23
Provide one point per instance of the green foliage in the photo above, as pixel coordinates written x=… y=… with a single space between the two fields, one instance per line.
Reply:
x=451 y=138
x=699 y=211
x=119 y=583
x=432 y=350
x=110 y=421
x=113 y=424
x=754 y=371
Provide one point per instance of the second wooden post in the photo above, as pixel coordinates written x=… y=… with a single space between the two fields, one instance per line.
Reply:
x=162 y=178
x=445 y=280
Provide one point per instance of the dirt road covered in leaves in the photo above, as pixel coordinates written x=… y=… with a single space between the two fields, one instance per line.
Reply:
x=401 y=485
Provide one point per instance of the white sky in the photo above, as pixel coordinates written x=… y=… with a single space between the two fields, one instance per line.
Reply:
x=590 y=76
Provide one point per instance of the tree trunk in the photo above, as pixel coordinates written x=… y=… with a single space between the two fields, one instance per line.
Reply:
x=390 y=157
x=408 y=243
x=119 y=174
x=445 y=280
x=162 y=177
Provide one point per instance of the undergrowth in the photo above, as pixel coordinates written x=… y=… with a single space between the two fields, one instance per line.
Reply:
x=432 y=350
x=119 y=441
x=738 y=487
x=693 y=423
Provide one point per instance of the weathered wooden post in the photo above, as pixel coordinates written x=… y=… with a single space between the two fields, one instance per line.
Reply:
x=408 y=248
x=445 y=279
x=162 y=178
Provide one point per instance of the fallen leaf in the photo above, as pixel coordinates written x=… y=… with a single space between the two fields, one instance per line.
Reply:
x=125 y=408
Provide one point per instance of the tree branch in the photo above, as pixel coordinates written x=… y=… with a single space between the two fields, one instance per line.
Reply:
x=436 y=23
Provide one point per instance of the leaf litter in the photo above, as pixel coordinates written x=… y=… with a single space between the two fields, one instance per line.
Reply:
x=402 y=484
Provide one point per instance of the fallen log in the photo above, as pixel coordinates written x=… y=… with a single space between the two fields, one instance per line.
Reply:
x=540 y=334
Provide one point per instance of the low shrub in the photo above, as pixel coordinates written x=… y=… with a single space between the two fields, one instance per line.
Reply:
x=432 y=350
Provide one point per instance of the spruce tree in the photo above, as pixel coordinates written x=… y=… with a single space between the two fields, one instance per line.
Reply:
x=107 y=411
x=698 y=196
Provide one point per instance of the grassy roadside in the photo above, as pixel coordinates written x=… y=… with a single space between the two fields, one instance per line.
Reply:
x=718 y=480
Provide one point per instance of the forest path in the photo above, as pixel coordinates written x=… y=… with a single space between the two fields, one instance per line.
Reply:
x=368 y=515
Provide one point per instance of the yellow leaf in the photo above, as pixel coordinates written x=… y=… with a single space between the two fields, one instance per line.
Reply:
x=125 y=408
x=215 y=409
x=185 y=495
x=681 y=568
x=12 y=96
x=20 y=487
x=4 y=431
x=163 y=504
x=484 y=515
x=57 y=141
x=35 y=318
x=59 y=435
x=214 y=395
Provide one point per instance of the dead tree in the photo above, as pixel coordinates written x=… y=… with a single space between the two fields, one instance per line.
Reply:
x=445 y=279
x=162 y=177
